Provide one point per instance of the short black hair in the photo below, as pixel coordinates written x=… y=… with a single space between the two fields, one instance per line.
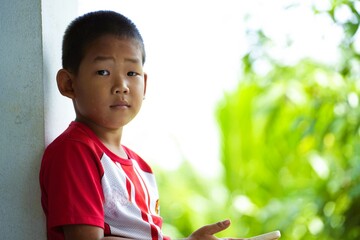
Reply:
x=85 y=29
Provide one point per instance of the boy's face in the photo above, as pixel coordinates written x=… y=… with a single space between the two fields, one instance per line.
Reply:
x=110 y=85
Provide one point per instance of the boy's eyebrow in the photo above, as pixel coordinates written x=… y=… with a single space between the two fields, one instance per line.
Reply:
x=106 y=58
x=103 y=58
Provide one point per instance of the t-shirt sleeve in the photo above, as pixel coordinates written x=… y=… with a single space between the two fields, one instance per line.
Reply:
x=73 y=182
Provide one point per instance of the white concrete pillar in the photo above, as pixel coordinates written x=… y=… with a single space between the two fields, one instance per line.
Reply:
x=30 y=46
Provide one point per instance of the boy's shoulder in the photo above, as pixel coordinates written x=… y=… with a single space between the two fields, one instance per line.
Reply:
x=75 y=133
x=79 y=132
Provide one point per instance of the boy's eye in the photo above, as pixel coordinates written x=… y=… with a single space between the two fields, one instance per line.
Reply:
x=132 y=74
x=103 y=72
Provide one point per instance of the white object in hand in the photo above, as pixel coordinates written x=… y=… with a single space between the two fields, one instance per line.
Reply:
x=267 y=236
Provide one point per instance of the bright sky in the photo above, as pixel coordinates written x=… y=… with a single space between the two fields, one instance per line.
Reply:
x=194 y=49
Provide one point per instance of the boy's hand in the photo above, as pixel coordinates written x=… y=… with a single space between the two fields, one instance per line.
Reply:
x=207 y=232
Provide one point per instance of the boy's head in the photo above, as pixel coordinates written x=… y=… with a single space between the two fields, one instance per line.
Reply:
x=89 y=27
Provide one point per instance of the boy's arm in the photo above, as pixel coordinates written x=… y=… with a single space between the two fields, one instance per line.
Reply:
x=86 y=232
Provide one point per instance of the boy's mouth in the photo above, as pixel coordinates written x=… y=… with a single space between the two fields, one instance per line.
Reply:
x=120 y=104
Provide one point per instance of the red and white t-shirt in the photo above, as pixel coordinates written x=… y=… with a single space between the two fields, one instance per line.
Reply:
x=83 y=182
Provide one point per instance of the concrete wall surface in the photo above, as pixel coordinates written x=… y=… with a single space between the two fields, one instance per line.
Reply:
x=29 y=28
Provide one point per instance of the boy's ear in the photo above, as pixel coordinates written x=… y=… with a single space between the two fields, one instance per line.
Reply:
x=145 y=83
x=64 y=81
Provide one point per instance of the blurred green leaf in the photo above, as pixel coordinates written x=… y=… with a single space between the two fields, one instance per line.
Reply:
x=290 y=150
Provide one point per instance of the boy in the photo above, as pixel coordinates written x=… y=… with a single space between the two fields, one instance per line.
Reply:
x=92 y=186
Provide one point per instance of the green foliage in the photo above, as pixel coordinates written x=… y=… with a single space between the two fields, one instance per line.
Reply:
x=290 y=150
x=351 y=57
x=189 y=201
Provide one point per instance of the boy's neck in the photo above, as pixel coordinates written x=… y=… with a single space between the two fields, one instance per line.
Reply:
x=111 y=138
x=118 y=150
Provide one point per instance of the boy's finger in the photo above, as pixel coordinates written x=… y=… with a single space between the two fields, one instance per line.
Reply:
x=215 y=228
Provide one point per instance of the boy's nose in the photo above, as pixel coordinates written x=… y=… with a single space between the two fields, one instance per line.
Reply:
x=121 y=87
